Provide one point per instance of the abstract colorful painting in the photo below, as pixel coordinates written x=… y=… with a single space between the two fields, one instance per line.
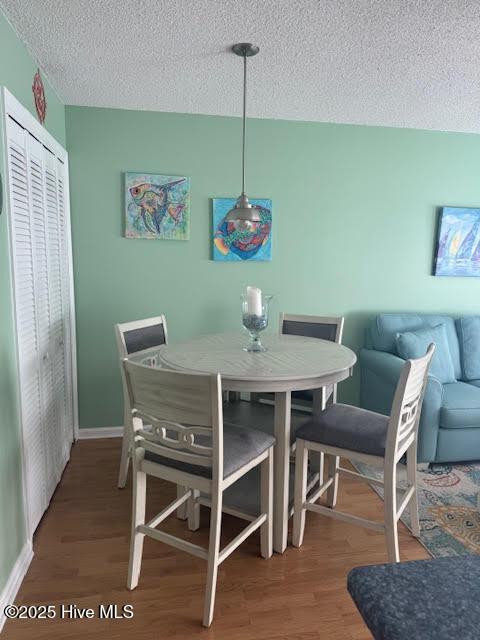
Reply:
x=157 y=206
x=458 y=250
x=231 y=244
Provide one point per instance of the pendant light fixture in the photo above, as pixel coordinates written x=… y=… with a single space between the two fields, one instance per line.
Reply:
x=244 y=215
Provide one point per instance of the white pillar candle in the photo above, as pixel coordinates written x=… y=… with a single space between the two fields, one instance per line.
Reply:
x=254 y=301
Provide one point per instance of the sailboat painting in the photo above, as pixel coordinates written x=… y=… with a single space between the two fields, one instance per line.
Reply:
x=458 y=250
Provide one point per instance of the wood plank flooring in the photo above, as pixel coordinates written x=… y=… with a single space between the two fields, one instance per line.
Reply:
x=81 y=556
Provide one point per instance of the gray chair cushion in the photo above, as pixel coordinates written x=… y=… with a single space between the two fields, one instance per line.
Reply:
x=323 y=331
x=144 y=338
x=428 y=599
x=320 y=330
x=347 y=427
x=240 y=446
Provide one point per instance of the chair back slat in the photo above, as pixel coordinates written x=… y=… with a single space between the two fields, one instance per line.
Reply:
x=163 y=430
x=407 y=403
x=322 y=327
x=178 y=436
x=184 y=411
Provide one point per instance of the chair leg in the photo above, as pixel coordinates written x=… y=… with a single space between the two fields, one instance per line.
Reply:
x=333 y=462
x=318 y=406
x=390 y=510
x=412 y=481
x=321 y=470
x=301 y=467
x=182 y=509
x=193 y=510
x=138 y=517
x=266 y=500
x=125 y=459
x=213 y=551
x=317 y=464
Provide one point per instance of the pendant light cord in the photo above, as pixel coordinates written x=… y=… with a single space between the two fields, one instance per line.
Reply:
x=244 y=120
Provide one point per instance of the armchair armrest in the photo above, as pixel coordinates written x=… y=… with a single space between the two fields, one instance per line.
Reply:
x=384 y=364
x=380 y=372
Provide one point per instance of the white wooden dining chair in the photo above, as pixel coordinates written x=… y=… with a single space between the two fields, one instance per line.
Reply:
x=135 y=337
x=370 y=438
x=324 y=328
x=205 y=456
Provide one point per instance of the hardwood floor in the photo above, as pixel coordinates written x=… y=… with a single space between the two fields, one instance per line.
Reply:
x=81 y=556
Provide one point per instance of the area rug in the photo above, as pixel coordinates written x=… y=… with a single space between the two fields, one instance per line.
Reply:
x=449 y=506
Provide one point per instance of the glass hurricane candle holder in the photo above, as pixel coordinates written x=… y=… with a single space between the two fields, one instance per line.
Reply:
x=255 y=323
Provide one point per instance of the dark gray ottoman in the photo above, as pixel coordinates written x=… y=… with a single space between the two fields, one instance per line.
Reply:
x=422 y=600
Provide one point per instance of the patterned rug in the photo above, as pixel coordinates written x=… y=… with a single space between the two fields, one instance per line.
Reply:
x=449 y=506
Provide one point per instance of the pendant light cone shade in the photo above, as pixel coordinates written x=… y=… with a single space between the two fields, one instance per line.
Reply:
x=244 y=215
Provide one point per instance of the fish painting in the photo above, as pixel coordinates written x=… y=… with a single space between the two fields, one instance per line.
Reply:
x=458 y=247
x=157 y=206
x=232 y=244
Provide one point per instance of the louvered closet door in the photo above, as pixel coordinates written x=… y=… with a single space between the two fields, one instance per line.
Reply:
x=40 y=229
x=56 y=429
x=66 y=344
x=23 y=199
x=38 y=211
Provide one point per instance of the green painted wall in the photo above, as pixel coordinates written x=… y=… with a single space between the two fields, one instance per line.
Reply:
x=354 y=222
x=16 y=73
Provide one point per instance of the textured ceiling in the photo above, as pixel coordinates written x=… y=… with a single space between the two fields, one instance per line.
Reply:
x=401 y=63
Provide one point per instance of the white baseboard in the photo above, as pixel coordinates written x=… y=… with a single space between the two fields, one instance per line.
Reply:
x=20 y=568
x=100 y=432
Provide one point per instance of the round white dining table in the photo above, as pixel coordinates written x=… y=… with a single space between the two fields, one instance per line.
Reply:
x=291 y=363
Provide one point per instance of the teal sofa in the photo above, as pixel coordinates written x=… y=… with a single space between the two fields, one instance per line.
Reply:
x=449 y=428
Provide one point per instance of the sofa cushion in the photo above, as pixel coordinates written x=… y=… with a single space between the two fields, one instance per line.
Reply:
x=460 y=406
x=468 y=330
x=384 y=329
x=414 y=344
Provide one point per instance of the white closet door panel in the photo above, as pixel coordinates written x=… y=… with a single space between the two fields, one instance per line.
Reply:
x=36 y=175
x=57 y=337
x=65 y=346
x=26 y=313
